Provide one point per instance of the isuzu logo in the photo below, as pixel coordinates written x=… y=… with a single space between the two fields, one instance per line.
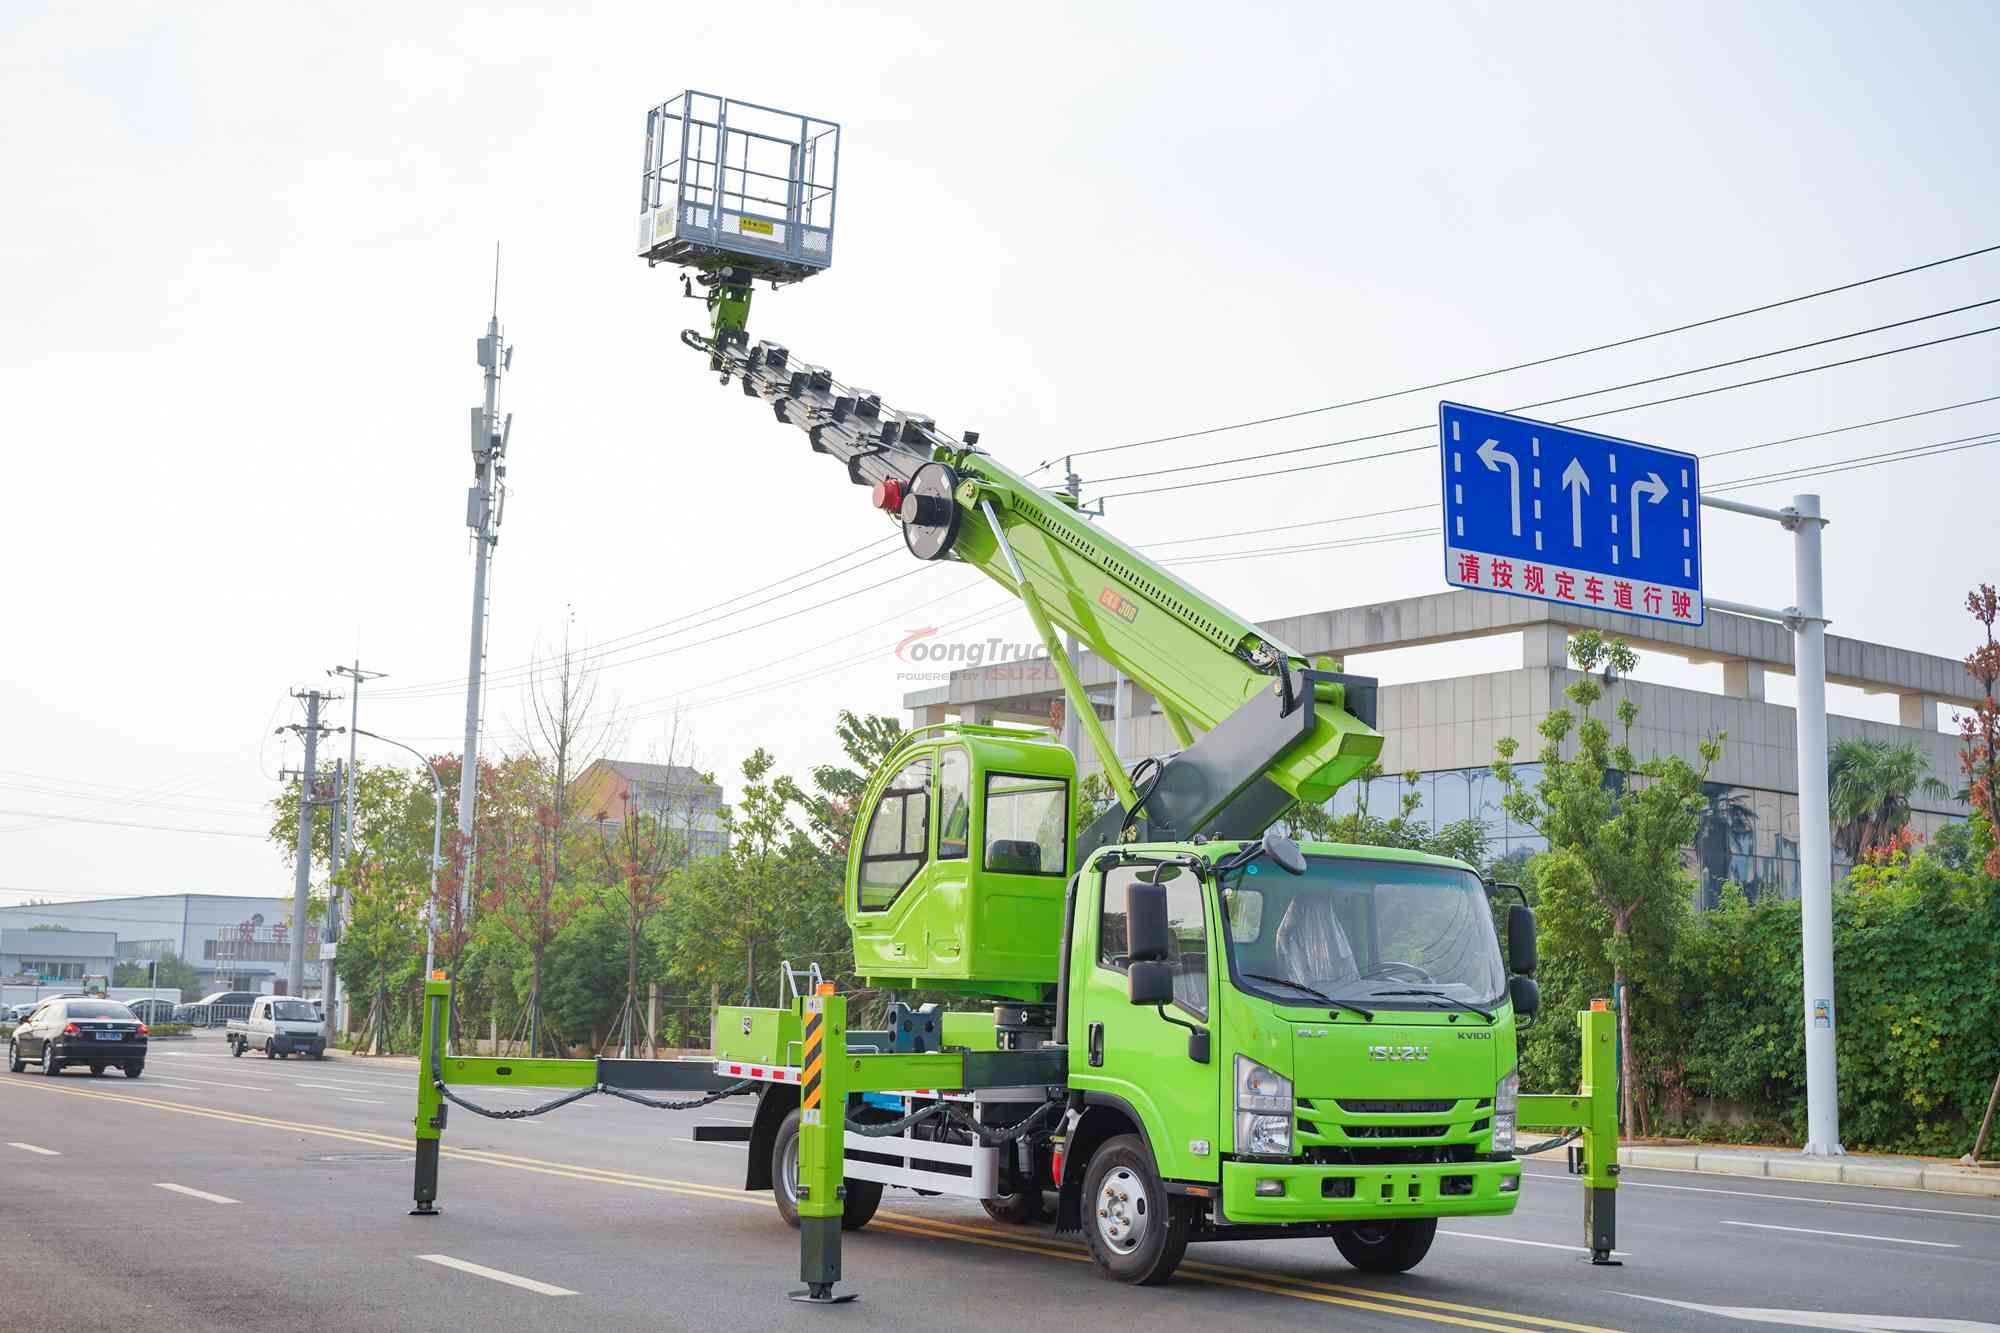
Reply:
x=1399 y=1052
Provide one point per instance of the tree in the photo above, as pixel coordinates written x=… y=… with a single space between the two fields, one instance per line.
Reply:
x=521 y=855
x=867 y=740
x=564 y=734
x=1463 y=839
x=171 y=973
x=635 y=865
x=1612 y=890
x=1979 y=730
x=1869 y=784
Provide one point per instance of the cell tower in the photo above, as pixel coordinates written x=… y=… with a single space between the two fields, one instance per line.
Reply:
x=485 y=504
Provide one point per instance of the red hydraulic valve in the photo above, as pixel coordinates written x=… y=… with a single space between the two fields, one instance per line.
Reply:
x=887 y=495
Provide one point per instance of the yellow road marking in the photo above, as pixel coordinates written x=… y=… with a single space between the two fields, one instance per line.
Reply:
x=911 y=1224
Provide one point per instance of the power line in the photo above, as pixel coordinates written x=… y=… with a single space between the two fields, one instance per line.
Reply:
x=123 y=823
x=1529 y=365
x=1585 y=416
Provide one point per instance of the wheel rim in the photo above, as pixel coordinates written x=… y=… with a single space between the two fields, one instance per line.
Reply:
x=1371 y=1235
x=788 y=1174
x=49 y=1058
x=1123 y=1216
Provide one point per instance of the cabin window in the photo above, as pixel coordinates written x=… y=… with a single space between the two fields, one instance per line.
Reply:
x=1186 y=918
x=1027 y=825
x=954 y=805
x=894 y=849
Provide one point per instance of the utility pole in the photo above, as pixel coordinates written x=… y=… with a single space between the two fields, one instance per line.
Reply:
x=302 y=873
x=484 y=504
x=336 y=834
x=1806 y=618
x=336 y=907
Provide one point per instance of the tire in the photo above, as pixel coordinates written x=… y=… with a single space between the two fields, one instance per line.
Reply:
x=1135 y=1231
x=270 y=1051
x=133 y=1071
x=319 y=1055
x=15 y=1064
x=863 y=1196
x=236 y=1050
x=1387 y=1247
x=50 y=1067
x=97 y=1071
x=1020 y=1210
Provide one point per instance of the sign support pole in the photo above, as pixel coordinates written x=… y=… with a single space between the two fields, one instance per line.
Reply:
x=1807 y=621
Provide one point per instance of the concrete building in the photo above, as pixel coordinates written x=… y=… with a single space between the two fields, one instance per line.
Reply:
x=688 y=803
x=232 y=943
x=1445 y=729
x=55 y=957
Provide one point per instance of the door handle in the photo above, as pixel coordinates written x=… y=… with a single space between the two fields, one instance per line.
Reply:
x=1096 y=1044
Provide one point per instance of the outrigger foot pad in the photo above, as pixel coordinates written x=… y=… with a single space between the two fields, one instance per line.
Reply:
x=1603 y=1259
x=821 y=1293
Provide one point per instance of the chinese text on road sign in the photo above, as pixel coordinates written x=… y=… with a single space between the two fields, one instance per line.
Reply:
x=1566 y=516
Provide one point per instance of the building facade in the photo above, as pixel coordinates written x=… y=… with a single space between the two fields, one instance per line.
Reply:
x=55 y=956
x=1445 y=731
x=683 y=799
x=232 y=943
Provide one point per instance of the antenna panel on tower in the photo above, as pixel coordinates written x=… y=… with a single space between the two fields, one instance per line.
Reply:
x=731 y=183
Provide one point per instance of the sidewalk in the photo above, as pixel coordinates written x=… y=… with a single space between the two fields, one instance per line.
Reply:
x=1910 y=1173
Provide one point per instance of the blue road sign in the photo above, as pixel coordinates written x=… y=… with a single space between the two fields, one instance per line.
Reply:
x=1565 y=516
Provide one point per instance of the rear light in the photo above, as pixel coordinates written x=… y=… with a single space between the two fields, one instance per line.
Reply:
x=143 y=1029
x=70 y=1030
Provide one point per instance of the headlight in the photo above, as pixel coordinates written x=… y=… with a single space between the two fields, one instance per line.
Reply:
x=1506 y=1113
x=1263 y=1110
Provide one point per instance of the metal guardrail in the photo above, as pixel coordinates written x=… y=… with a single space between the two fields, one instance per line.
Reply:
x=209 y=1015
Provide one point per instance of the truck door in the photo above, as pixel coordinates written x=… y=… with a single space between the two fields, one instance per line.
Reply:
x=1132 y=1053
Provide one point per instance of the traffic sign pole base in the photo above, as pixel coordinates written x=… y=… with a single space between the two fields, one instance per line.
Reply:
x=426 y=1210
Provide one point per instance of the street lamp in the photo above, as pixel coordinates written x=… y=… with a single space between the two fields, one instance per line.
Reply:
x=437 y=845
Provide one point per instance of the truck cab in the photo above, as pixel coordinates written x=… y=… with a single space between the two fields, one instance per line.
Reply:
x=279 y=1026
x=1305 y=1050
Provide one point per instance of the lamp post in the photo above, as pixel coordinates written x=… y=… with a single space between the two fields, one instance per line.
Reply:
x=437 y=845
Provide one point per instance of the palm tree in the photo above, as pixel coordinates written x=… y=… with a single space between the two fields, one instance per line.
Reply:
x=1869 y=784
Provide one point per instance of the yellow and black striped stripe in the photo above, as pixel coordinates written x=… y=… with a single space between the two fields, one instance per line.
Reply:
x=809 y=1073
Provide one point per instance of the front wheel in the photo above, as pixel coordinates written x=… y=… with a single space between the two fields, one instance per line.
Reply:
x=1387 y=1247
x=863 y=1196
x=1135 y=1232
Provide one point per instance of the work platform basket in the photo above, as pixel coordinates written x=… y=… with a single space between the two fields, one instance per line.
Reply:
x=731 y=182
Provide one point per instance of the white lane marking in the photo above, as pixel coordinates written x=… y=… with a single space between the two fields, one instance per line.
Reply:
x=481 y=1270
x=1844 y=1235
x=29 y=1147
x=1516 y=1240
x=194 y=1193
x=179 y=1079
x=1858 y=1323
x=365 y=1101
x=157 y=1082
x=715 y=1143
x=1626 y=1184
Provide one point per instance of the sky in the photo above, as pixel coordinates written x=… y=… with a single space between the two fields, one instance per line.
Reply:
x=248 y=250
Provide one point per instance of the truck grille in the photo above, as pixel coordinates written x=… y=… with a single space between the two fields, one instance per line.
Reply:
x=1415 y=1131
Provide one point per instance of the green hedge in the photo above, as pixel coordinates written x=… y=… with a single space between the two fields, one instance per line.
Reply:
x=1917 y=993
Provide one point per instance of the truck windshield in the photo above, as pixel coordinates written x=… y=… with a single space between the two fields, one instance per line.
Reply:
x=1352 y=929
x=292 y=1011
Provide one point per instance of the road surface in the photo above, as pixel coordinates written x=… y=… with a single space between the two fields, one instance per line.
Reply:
x=219 y=1193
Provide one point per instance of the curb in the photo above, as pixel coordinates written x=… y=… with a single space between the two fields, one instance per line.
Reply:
x=1937 y=1179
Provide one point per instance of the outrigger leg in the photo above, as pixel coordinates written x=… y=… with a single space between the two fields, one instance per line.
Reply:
x=431 y=1109
x=1594 y=1110
x=822 y=1147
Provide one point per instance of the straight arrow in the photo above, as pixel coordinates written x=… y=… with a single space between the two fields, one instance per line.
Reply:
x=1577 y=482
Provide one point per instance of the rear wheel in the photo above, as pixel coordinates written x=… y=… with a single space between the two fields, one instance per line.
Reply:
x=49 y=1065
x=1135 y=1232
x=236 y=1049
x=97 y=1071
x=133 y=1071
x=270 y=1051
x=863 y=1196
x=1387 y=1247
x=1022 y=1209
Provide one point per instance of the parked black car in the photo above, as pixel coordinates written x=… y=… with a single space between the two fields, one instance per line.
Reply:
x=97 y=1033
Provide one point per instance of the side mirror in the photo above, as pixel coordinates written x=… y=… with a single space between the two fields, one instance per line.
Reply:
x=1526 y=995
x=1521 y=939
x=1151 y=983
x=1284 y=852
x=1147 y=939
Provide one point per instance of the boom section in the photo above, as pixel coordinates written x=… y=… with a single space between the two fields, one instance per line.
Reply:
x=1202 y=662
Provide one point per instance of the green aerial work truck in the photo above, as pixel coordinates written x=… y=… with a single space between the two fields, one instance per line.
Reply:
x=1171 y=1022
